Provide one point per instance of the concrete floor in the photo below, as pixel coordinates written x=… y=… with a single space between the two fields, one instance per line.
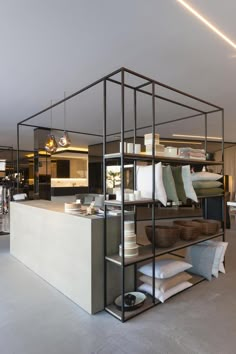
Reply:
x=37 y=319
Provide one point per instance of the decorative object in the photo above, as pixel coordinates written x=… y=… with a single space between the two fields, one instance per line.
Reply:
x=68 y=207
x=64 y=140
x=189 y=231
x=169 y=184
x=209 y=227
x=51 y=144
x=165 y=268
x=179 y=184
x=148 y=139
x=162 y=296
x=125 y=146
x=139 y=301
x=188 y=184
x=144 y=182
x=205 y=176
x=165 y=235
x=168 y=283
x=202 y=259
x=131 y=249
x=130 y=148
x=171 y=151
x=137 y=148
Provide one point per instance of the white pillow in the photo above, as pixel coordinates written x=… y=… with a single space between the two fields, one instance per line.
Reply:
x=205 y=176
x=218 y=255
x=144 y=182
x=162 y=296
x=224 y=245
x=165 y=268
x=188 y=185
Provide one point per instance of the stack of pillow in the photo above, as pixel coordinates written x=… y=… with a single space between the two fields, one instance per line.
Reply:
x=171 y=183
x=170 y=278
x=207 y=258
x=207 y=183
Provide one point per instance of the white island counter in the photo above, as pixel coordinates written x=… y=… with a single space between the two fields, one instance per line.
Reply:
x=64 y=249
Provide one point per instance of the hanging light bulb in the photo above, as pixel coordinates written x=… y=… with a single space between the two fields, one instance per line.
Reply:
x=64 y=140
x=51 y=144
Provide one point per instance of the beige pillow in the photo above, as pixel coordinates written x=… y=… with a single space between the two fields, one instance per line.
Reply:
x=168 y=283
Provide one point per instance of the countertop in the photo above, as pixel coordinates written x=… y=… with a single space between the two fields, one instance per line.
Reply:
x=55 y=206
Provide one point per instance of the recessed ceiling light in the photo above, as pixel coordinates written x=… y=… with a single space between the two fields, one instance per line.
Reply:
x=207 y=23
x=197 y=136
x=180 y=142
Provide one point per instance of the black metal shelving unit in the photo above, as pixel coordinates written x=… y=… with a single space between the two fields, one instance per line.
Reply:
x=125 y=79
x=148 y=253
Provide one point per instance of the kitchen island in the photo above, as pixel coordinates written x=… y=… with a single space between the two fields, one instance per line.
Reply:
x=66 y=250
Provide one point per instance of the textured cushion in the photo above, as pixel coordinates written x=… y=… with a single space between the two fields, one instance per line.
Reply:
x=224 y=245
x=162 y=296
x=218 y=256
x=169 y=184
x=144 y=182
x=188 y=185
x=208 y=191
x=177 y=174
x=166 y=284
x=205 y=176
x=206 y=184
x=202 y=259
x=165 y=268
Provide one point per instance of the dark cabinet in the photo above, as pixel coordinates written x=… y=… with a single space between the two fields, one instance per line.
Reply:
x=63 y=169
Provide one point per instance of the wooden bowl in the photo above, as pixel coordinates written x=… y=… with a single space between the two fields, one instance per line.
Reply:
x=209 y=227
x=165 y=235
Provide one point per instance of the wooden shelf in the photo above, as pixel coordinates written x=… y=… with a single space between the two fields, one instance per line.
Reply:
x=163 y=158
x=113 y=310
x=145 y=252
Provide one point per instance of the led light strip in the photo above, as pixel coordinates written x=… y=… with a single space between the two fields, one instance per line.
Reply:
x=198 y=136
x=207 y=23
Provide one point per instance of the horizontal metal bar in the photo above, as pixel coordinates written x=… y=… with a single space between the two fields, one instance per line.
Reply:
x=72 y=95
x=160 y=97
x=140 y=86
x=171 y=88
x=60 y=130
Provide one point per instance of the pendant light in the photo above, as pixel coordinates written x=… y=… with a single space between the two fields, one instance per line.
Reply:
x=64 y=140
x=51 y=144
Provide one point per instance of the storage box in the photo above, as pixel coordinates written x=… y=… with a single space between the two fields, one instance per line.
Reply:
x=159 y=149
x=148 y=139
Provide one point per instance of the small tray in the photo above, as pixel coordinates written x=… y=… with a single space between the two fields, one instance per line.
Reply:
x=140 y=298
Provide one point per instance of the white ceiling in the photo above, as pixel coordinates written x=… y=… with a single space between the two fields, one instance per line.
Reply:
x=48 y=47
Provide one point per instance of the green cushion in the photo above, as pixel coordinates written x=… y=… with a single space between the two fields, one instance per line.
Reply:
x=206 y=184
x=169 y=184
x=177 y=174
x=208 y=191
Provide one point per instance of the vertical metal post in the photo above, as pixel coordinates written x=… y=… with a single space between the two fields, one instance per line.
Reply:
x=17 y=158
x=205 y=147
x=153 y=191
x=223 y=173
x=135 y=166
x=104 y=187
x=122 y=191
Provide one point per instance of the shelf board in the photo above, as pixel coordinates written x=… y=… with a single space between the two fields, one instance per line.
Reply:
x=112 y=309
x=162 y=158
x=145 y=252
x=133 y=202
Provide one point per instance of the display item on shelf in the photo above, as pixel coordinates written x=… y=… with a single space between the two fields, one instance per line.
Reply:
x=165 y=235
x=158 y=149
x=171 y=151
x=148 y=139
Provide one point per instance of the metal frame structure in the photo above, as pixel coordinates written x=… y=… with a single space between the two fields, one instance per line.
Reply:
x=151 y=159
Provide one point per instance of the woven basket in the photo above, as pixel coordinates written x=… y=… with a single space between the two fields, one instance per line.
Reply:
x=165 y=235
x=209 y=227
x=189 y=230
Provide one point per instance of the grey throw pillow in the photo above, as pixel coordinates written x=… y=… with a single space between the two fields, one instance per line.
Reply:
x=202 y=259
